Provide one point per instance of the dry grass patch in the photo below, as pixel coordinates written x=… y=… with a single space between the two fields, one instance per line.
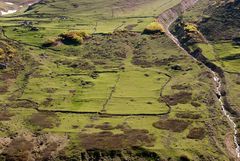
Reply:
x=172 y=125
x=5 y=116
x=180 y=97
x=108 y=141
x=44 y=120
x=18 y=150
x=188 y=116
x=196 y=133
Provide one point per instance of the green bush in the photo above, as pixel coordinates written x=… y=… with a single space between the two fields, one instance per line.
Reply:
x=7 y=51
x=73 y=37
x=154 y=27
x=1 y=54
x=190 y=27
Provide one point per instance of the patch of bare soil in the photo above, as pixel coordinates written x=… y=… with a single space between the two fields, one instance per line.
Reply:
x=141 y=62
x=47 y=102
x=231 y=146
x=23 y=104
x=196 y=133
x=44 y=120
x=181 y=87
x=195 y=104
x=130 y=27
x=180 y=97
x=4 y=142
x=84 y=65
x=105 y=126
x=19 y=149
x=50 y=90
x=172 y=125
x=86 y=84
x=204 y=75
x=77 y=64
x=188 y=116
x=108 y=141
x=166 y=61
x=29 y=147
x=208 y=99
x=3 y=89
x=6 y=75
x=123 y=127
x=5 y=115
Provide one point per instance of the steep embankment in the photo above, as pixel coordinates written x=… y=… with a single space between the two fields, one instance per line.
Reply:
x=167 y=19
x=171 y=15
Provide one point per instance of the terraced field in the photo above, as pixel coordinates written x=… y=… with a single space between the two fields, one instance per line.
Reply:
x=112 y=93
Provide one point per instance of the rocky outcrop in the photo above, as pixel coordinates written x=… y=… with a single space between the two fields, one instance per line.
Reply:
x=169 y=16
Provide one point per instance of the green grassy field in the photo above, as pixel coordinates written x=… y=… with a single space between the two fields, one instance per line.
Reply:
x=102 y=16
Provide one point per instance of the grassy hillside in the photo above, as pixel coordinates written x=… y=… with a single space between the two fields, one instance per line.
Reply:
x=216 y=36
x=55 y=17
x=222 y=46
x=113 y=94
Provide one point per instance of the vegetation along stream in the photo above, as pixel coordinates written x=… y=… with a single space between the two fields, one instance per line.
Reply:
x=169 y=17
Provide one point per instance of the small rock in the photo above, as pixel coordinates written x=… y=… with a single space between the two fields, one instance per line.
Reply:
x=176 y=67
x=3 y=66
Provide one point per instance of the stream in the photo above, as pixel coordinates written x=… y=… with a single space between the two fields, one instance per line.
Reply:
x=230 y=118
x=217 y=80
x=167 y=18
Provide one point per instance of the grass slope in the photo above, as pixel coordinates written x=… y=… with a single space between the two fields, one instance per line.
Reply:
x=219 y=24
x=112 y=93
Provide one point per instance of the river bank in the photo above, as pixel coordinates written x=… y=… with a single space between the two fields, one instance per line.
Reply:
x=167 y=19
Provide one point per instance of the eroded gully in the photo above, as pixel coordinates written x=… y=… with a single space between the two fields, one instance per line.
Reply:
x=167 y=19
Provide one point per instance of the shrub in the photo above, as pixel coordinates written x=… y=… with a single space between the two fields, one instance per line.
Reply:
x=50 y=42
x=7 y=51
x=190 y=27
x=154 y=27
x=1 y=54
x=73 y=37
